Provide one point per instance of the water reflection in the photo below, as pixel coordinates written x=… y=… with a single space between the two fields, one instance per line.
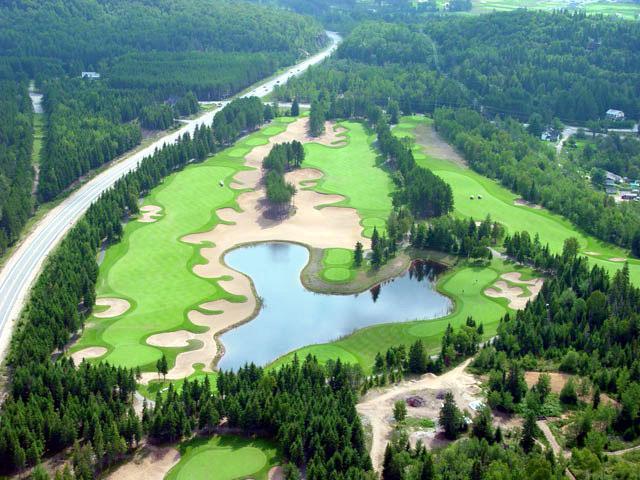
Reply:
x=293 y=317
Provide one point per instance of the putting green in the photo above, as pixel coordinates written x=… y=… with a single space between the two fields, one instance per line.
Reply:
x=498 y=202
x=337 y=274
x=152 y=268
x=224 y=458
x=338 y=256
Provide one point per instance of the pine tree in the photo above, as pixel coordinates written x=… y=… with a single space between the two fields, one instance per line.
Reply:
x=417 y=358
x=295 y=108
x=358 y=254
x=399 y=411
x=450 y=417
x=528 y=433
x=375 y=238
x=162 y=367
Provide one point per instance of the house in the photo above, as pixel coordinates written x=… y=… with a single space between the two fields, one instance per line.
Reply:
x=610 y=176
x=90 y=75
x=613 y=114
x=628 y=196
x=550 y=135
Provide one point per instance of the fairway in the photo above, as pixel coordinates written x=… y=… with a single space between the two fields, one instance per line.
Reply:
x=224 y=458
x=154 y=252
x=498 y=202
x=352 y=171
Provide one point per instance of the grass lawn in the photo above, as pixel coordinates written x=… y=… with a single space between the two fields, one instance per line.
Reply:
x=464 y=284
x=224 y=457
x=498 y=202
x=152 y=268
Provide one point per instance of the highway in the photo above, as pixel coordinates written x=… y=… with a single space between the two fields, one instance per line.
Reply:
x=22 y=268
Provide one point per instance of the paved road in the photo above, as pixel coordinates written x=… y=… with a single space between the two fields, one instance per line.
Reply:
x=22 y=268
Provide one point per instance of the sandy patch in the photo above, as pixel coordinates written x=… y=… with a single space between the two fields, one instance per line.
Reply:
x=149 y=463
x=617 y=259
x=178 y=339
x=319 y=227
x=117 y=306
x=87 y=353
x=521 y=202
x=276 y=473
x=591 y=253
x=516 y=296
x=149 y=213
x=377 y=406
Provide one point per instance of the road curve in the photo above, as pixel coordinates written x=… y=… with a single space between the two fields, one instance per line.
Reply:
x=22 y=268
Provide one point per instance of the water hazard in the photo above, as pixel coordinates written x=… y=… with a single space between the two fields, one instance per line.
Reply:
x=293 y=317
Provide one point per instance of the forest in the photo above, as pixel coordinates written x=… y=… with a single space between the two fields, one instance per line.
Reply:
x=16 y=174
x=569 y=65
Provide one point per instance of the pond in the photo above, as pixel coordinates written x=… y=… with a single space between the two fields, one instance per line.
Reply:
x=292 y=316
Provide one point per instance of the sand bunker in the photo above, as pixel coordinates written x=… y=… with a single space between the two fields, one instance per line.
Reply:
x=324 y=227
x=87 y=353
x=523 y=203
x=150 y=463
x=591 y=253
x=516 y=296
x=117 y=306
x=617 y=259
x=149 y=213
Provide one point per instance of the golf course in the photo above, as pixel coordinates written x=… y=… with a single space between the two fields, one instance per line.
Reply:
x=185 y=226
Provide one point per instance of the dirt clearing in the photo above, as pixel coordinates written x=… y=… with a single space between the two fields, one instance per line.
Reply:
x=377 y=406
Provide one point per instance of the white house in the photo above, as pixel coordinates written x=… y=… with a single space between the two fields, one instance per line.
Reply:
x=90 y=75
x=613 y=114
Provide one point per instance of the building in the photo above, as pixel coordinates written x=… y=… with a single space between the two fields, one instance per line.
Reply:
x=628 y=196
x=550 y=135
x=612 y=177
x=90 y=75
x=613 y=114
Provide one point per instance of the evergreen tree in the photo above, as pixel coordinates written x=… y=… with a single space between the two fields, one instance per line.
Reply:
x=358 y=254
x=527 y=441
x=451 y=417
x=399 y=411
x=295 y=108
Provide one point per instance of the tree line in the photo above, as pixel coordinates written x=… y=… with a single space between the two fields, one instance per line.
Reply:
x=16 y=173
x=503 y=150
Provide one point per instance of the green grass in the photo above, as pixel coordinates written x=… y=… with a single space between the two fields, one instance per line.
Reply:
x=152 y=268
x=464 y=285
x=352 y=171
x=224 y=458
x=337 y=265
x=497 y=201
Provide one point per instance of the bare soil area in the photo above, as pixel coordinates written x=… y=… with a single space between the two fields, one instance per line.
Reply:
x=377 y=406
